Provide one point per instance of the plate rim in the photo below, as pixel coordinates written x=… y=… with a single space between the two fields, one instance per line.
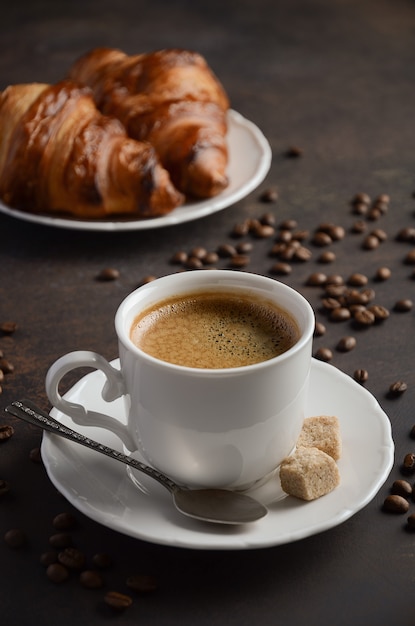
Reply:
x=244 y=539
x=180 y=215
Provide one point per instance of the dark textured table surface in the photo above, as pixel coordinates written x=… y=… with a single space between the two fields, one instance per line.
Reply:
x=334 y=78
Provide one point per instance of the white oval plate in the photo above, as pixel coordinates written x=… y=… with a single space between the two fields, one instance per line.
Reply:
x=249 y=161
x=101 y=489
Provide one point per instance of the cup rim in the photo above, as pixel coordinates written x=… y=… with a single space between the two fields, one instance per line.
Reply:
x=221 y=276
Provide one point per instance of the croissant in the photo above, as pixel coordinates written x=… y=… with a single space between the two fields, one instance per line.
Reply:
x=170 y=98
x=59 y=154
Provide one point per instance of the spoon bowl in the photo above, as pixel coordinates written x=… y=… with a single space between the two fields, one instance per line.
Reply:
x=221 y=506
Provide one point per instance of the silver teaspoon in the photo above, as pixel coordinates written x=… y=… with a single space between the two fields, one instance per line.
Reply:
x=211 y=505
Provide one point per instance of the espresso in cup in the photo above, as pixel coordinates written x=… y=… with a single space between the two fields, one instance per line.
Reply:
x=214 y=330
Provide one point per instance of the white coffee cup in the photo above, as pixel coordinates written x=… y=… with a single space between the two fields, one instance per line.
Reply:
x=224 y=428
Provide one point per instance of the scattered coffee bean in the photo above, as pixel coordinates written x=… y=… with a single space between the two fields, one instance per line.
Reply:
x=72 y=558
x=317 y=279
x=57 y=573
x=108 y=274
x=239 y=260
x=147 y=279
x=380 y=234
x=383 y=273
x=410 y=258
x=381 y=313
x=64 y=521
x=360 y=375
x=35 y=455
x=323 y=354
x=268 y=219
x=142 y=583
x=8 y=328
x=370 y=242
x=395 y=504
x=408 y=465
x=327 y=257
x=281 y=268
x=361 y=197
x=91 y=579
x=264 y=231
x=15 y=538
x=294 y=152
x=102 y=560
x=244 y=247
x=340 y=314
x=319 y=329
x=401 y=488
x=179 y=257
x=359 y=227
x=118 y=601
x=193 y=263
x=5 y=366
x=288 y=224
x=226 y=250
x=211 y=258
x=397 y=388
x=364 y=317
x=269 y=195
x=357 y=280
x=320 y=238
x=60 y=540
x=49 y=557
x=403 y=306
x=4 y=487
x=411 y=522
x=345 y=344
x=6 y=431
x=406 y=234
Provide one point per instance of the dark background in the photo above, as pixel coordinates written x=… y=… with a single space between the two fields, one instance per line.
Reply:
x=335 y=78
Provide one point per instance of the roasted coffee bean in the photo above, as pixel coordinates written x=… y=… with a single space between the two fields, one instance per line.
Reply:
x=381 y=313
x=108 y=274
x=239 y=260
x=383 y=273
x=244 y=247
x=8 y=328
x=397 y=388
x=264 y=231
x=179 y=257
x=370 y=242
x=361 y=197
x=353 y=296
x=408 y=465
x=395 y=504
x=300 y=235
x=319 y=329
x=35 y=455
x=226 y=250
x=60 y=540
x=357 y=280
x=91 y=579
x=147 y=279
x=15 y=538
x=4 y=487
x=211 y=258
x=118 y=601
x=269 y=195
x=317 y=279
x=57 y=573
x=345 y=344
x=359 y=227
x=360 y=375
x=364 y=317
x=326 y=257
x=320 y=238
x=380 y=234
x=335 y=291
x=102 y=560
x=64 y=521
x=281 y=268
x=335 y=279
x=294 y=152
x=403 y=306
x=72 y=558
x=240 y=230
x=288 y=224
x=6 y=366
x=49 y=557
x=410 y=258
x=6 y=431
x=324 y=354
x=193 y=263
x=406 y=234
x=330 y=304
x=401 y=488
x=268 y=219
x=411 y=522
x=302 y=254
x=340 y=314
x=142 y=583
x=374 y=213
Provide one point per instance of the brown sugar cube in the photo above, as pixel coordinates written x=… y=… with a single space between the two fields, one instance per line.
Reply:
x=322 y=432
x=309 y=473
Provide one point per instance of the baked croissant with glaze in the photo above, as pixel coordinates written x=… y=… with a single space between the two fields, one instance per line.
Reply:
x=170 y=98
x=59 y=154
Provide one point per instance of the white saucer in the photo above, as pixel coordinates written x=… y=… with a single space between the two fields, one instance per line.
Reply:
x=249 y=161
x=101 y=489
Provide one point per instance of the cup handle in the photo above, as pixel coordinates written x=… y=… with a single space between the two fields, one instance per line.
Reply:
x=113 y=388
